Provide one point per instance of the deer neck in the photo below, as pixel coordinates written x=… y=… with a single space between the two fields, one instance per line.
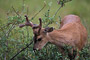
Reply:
x=58 y=38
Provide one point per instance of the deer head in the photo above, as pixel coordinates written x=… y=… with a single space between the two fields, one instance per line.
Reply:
x=40 y=34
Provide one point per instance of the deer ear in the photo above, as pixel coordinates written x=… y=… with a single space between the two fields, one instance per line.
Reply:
x=48 y=29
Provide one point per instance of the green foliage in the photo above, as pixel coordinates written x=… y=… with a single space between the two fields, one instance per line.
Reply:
x=85 y=53
x=18 y=19
x=47 y=19
x=13 y=39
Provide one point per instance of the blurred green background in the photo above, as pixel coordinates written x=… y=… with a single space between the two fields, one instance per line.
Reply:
x=18 y=38
x=77 y=7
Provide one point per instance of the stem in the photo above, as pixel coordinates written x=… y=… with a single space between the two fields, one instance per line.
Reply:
x=47 y=24
x=10 y=29
x=38 y=12
x=21 y=50
x=57 y=11
x=15 y=11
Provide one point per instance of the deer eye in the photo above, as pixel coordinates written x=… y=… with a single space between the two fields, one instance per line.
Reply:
x=39 y=39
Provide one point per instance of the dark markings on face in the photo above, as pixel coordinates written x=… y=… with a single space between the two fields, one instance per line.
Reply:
x=36 y=39
x=36 y=34
x=39 y=39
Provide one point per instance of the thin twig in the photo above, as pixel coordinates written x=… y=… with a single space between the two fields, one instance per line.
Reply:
x=54 y=15
x=21 y=50
x=2 y=29
x=10 y=29
x=15 y=11
x=47 y=24
x=38 y=12
x=23 y=5
x=8 y=32
x=57 y=11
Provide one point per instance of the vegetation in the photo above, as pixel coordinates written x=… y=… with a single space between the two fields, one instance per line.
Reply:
x=13 y=39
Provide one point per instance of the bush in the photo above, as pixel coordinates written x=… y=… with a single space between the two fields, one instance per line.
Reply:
x=13 y=39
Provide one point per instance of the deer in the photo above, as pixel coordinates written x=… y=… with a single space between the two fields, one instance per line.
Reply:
x=71 y=32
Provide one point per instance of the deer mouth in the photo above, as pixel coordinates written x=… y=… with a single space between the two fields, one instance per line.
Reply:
x=37 y=49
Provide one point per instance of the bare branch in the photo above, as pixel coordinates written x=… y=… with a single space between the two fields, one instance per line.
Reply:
x=57 y=11
x=38 y=11
x=21 y=50
x=15 y=11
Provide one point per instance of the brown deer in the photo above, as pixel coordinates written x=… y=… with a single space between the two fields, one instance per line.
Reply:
x=71 y=33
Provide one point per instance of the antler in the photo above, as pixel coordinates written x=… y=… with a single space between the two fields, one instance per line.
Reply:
x=31 y=24
x=27 y=23
x=40 y=25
